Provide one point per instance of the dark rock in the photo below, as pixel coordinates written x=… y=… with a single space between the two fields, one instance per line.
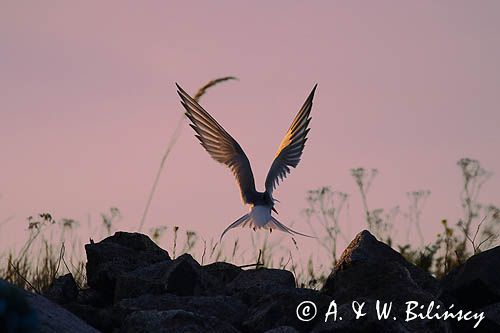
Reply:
x=252 y=284
x=91 y=297
x=283 y=329
x=223 y=271
x=476 y=283
x=118 y=254
x=492 y=319
x=490 y=322
x=371 y=270
x=100 y=318
x=368 y=323
x=184 y=277
x=492 y=312
x=173 y=321
x=385 y=281
x=144 y=280
x=54 y=319
x=62 y=290
x=279 y=308
x=365 y=248
x=16 y=314
x=225 y=308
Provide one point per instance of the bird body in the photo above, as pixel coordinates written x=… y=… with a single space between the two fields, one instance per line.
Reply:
x=224 y=149
x=259 y=215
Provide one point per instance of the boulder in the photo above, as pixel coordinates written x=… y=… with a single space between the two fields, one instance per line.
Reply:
x=368 y=323
x=54 y=319
x=225 y=308
x=492 y=318
x=475 y=283
x=182 y=276
x=185 y=277
x=144 y=280
x=279 y=308
x=173 y=321
x=16 y=313
x=371 y=270
x=99 y=317
x=252 y=284
x=223 y=271
x=282 y=329
x=62 y=290
x=118 y=254
x=490 y=323
x=89 y=296
x=366 y=249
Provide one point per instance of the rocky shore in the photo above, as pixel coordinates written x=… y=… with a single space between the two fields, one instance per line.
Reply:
x=134 y=286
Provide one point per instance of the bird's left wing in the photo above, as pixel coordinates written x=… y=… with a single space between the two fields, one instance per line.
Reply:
x=220 y=145
x=290 y=150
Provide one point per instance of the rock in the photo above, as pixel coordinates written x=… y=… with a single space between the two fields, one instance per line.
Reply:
x=144 y=280
x=182 y=276
x=283 y=329
x=385 y=281
x=173 y=321
x=185 y=277
x=100 y=318
x=54 y=319
x=118 y=254
x=89 y=296
x=371 y=270
x=476 y=283
x=223 y=271
x=279 y=308
x=62 y=290
x=252 y=284
x=492 y=319
x=365 y=248
x=490 y=322
x=16 y=314
x=492 y=312
x=225 y=308
x=368 y=323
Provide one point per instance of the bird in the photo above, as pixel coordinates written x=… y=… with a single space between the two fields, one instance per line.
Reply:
x=223 y=148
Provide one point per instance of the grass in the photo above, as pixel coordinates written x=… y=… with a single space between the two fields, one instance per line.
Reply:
x=53 y=247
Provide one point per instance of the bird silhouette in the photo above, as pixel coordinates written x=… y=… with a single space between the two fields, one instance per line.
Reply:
x=223 y=148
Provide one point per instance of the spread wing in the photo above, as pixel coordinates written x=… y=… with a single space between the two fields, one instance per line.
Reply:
x=290 y=150
x=219 y=144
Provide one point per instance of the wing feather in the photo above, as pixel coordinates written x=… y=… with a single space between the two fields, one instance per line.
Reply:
x=220 y=145
x=291 y=147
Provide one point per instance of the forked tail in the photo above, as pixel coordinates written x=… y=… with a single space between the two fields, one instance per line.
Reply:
x=280 y=226
x=246 y=220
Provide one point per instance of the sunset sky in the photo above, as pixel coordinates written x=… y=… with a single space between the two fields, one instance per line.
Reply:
x=88 y=104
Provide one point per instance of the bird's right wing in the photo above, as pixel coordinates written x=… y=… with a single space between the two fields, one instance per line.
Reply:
x=219 y=144
x=290 y=150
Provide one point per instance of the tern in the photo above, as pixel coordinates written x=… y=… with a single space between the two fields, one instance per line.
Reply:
x=224 y=149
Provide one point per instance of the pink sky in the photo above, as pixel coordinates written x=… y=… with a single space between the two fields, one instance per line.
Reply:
x=88 y=104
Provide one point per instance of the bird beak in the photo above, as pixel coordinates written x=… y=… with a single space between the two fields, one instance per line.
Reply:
x=274 y=210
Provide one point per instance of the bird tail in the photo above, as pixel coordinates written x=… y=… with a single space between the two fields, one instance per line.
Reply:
x=246 y=220
x=273 y=223
x=243 y=221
